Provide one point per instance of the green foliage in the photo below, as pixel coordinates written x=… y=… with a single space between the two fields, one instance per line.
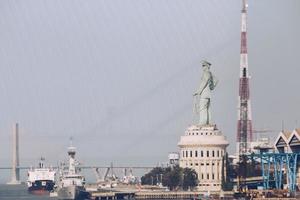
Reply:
x=226 y=184
x=190 y=178
x=153 y=177
x=171 y=177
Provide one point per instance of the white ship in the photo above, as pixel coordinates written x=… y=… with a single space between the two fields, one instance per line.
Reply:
x=40 y=179
x=129 y=178
x=71 y=183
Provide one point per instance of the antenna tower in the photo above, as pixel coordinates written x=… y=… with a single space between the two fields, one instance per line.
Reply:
x=244 y=125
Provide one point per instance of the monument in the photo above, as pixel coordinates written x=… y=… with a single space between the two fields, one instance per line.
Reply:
x=203 y=104
x=203 y=146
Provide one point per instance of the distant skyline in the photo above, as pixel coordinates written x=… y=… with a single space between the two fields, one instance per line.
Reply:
x=118 y=76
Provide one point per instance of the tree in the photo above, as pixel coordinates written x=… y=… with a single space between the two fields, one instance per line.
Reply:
x=172 y=177
x=190 y=178
x=226 y=184
x=151 y=177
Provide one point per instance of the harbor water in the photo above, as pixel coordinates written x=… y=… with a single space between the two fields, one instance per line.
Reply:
x=19 y=192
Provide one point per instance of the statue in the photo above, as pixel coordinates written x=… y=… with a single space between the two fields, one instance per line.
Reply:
x=203 y=95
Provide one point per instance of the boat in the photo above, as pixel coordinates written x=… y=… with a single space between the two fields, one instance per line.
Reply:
x=71 y=184
x=41 y=179
x=129 y=178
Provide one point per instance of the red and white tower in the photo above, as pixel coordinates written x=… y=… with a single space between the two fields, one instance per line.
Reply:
x=244 y=126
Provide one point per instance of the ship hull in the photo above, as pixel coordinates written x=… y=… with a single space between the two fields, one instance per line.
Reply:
x=41 y=187
x=72 y=193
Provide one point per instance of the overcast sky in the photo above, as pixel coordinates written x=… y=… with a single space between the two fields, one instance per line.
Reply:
x=119 y=76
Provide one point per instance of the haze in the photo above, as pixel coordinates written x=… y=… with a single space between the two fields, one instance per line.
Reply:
x=118 y=76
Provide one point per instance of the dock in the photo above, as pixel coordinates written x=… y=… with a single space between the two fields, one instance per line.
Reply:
x=111 y=195
x=143 y=195
x=148 y=194
x=166 y=195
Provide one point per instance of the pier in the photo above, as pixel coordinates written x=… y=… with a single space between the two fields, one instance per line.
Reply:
x=167 y=195
x=144 y=195
x=123 y=193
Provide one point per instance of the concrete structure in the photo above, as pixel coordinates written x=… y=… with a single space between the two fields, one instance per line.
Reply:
x=262 y=144
x=202 y=148
x=244 y=125
x=15 y=176
x=279 y=163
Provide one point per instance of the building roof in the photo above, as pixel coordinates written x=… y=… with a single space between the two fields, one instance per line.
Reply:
x=287 y=134
x=203 y=136
x=288 y=139
x=294 y=139
x=297 y=131
x=282 y=139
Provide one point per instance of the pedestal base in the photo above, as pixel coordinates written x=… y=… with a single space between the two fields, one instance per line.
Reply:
x=202 y=148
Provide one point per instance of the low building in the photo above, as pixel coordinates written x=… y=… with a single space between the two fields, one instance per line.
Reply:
x=173 y=159
x=289 y=142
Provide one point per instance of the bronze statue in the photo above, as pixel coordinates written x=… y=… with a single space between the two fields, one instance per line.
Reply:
x=203 y=95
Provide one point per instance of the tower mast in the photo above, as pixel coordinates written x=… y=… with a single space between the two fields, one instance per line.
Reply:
x=244 y=126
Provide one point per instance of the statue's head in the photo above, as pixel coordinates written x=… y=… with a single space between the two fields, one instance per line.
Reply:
x=205 y=64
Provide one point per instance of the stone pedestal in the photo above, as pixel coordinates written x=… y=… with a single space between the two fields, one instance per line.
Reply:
x=202 y=148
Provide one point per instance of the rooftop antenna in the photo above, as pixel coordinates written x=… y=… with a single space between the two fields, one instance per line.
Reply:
x=71 y=149
x=71 y=141
x=282 y=125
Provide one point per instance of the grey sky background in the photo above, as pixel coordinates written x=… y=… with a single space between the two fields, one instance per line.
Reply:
x=119 y=76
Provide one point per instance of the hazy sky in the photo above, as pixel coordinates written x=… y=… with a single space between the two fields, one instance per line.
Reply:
x=119 y=76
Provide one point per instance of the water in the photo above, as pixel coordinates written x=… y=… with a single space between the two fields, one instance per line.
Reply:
x=19 y=192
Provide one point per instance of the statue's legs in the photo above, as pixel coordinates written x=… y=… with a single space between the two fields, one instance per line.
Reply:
x=204 y=111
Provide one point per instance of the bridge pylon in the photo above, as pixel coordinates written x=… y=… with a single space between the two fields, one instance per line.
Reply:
x=15 y=175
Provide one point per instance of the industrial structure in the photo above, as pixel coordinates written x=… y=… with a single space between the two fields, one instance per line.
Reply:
x=15 y=171
x=244 y=125
x=288 y=144
x=279 y=165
